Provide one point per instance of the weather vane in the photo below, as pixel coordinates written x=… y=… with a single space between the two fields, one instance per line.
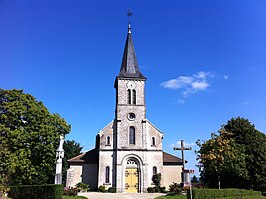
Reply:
x=129 y=14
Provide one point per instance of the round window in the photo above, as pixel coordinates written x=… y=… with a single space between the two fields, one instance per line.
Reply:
x=131 y=116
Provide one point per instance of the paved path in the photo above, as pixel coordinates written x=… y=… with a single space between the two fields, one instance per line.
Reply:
x=97 y=195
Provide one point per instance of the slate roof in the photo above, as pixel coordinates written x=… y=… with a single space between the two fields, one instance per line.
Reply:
x=93 y=157
x=129 y=67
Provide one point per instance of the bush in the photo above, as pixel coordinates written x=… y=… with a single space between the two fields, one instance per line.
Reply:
x=102 y=188
x=245 y=197
x=156 y=179
x=70 y=191
x=150 y=190
x=112 y=190
x=50 y=191
x=174 y=189
x=162 y=190
x=156 y=190
x=221 y=193
x=83 y=186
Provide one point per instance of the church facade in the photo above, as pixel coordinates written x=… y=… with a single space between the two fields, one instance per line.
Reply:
x=128 y=151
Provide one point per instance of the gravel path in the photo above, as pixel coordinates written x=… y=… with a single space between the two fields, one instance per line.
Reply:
x=97 y=195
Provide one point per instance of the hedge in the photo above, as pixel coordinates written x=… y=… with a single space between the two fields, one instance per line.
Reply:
x=245 y=197
x=112 y=190
x=221 y=193
x=50 y=191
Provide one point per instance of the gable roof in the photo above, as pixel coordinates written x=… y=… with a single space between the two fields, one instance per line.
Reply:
x=169 y=159
x=91 y=156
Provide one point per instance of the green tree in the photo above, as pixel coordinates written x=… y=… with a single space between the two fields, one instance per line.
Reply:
x=29 y=137
x=222 y=161
x=6 y=167
x=71 y=149
x=237 y=156
x=254 y=143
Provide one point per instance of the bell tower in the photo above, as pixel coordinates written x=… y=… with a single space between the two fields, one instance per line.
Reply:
x=130 y=100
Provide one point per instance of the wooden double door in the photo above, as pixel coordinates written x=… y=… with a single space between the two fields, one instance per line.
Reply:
x=131 y=180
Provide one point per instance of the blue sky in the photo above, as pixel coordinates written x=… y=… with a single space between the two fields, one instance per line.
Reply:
x=205 y=61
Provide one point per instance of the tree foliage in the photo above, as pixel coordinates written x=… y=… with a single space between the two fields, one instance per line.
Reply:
x=71 y=149
x=254 y=143
x=194 y=179
x=236 y=157
x=29 y=137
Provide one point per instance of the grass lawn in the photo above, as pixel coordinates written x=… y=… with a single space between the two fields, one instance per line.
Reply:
x=74 y=197
x=172 y=197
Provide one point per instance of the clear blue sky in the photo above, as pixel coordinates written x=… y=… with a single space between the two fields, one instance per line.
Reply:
x=205 y=61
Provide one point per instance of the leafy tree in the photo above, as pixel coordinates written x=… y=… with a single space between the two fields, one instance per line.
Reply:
x=6 y=167
x=237 y=156
x=71 y=149
x=29 y=137
x=254 y=143
x=222 y=160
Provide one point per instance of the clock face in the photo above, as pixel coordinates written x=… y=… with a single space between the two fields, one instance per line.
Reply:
x=131 y=116
x=131 y=85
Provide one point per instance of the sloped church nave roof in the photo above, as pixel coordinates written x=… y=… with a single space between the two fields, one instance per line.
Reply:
x=92 y=157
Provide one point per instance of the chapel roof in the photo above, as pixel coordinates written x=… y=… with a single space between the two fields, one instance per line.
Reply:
x=169 y=159
x=129 y=67
x=93 y=157
x=88 y=157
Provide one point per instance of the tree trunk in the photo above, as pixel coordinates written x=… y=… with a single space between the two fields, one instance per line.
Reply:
x=219 y=182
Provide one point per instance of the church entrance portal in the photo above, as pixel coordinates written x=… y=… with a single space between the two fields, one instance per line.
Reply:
x=132 y=177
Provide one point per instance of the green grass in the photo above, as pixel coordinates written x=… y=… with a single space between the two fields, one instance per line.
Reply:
x=74 y=197
x=247 y=197
x=172 y=197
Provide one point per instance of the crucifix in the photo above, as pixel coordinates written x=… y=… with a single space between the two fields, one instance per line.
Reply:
x=182 y=149
x=129 y=14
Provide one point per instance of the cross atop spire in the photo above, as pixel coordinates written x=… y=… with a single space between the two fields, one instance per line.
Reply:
x=129 y=14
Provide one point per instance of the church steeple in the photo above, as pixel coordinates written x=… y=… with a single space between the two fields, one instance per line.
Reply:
x=129 y=67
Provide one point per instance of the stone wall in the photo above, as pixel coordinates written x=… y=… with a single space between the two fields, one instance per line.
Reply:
x=82 y=172
x=171 y=173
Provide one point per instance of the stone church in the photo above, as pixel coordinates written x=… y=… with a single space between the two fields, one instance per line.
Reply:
x=128 y=151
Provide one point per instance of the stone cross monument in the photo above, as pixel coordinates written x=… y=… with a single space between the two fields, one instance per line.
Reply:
x=185 y=175
x=59 y=158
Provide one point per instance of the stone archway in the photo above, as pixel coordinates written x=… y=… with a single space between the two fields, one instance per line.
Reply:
x=132 y=173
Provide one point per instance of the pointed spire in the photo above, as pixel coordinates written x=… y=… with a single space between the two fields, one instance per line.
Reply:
x=129 y=67
x=129 y=28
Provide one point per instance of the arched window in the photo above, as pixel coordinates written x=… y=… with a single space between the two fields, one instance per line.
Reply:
x=153 y=141
x=107 y=174
x=154 y=170
x=134 y=96
x=128 y=96
x=108 y=140
x=132 y=135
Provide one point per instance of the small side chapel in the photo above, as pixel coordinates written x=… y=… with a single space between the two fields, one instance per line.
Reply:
x=128 y=151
